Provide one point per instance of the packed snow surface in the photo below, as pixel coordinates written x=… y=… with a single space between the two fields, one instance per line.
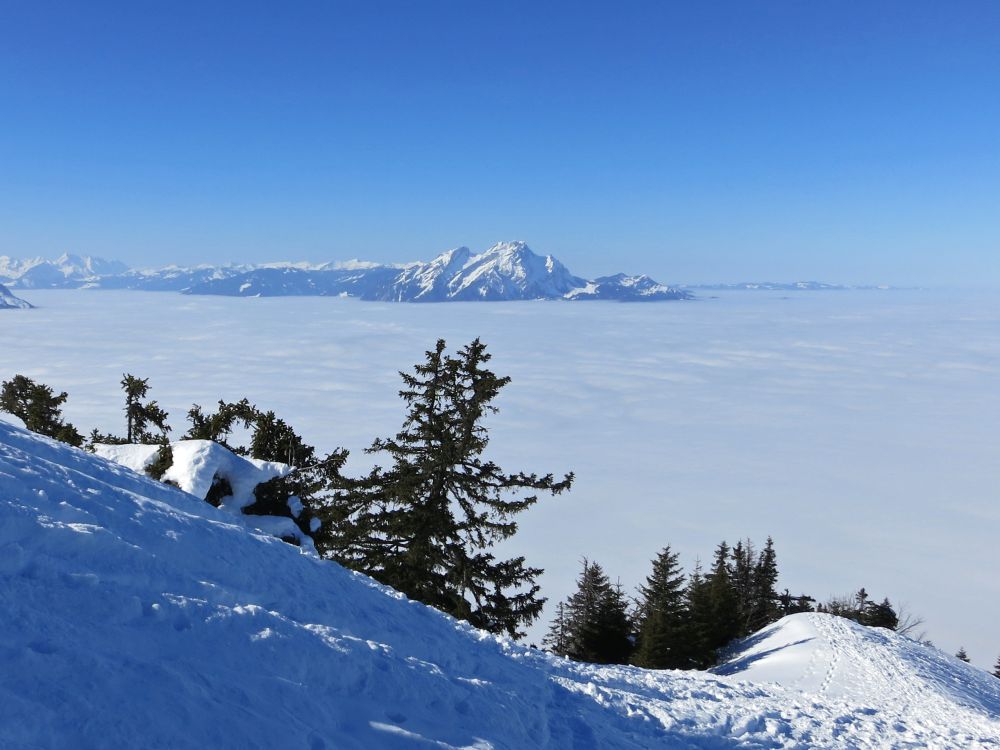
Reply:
x=136 y=615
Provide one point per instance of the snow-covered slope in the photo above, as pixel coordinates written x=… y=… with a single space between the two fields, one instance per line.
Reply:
x=8 y=301
x=135 y=615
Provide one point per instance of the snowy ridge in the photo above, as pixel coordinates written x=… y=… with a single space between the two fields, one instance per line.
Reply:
x=136 y=615
x=9 y=302
x=506 y=271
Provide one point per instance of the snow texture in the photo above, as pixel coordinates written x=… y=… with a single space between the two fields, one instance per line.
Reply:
x=136 y=615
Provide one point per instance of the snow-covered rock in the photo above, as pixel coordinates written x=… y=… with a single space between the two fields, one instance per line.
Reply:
x=137 y=615
x=9 y=302
x=199 y=465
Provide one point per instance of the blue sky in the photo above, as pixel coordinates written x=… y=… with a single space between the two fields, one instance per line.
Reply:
x=851 y=141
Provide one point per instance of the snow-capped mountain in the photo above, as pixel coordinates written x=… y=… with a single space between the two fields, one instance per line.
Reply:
x=506 y=271
x=137 y=615
x=8 y=301
x=65 y=272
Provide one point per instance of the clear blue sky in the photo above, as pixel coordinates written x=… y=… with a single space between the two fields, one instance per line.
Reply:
x=848 y=141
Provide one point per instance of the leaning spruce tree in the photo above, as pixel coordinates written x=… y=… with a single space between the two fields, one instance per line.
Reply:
x=426 y=523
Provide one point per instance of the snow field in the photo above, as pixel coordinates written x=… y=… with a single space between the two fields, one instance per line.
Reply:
x=136 y=615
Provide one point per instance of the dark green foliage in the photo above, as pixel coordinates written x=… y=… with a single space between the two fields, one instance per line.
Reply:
x=39 y=408
x=271 y=438
x=219 y=426
x=274 y=440
x=723 y=603
x=594 y=624
x=962 y=655
x=789 y=605
x=863 y=610
x=996 y=668
x=700 y=620
x=306 y=483
x=662 y=627
x=140 y=416
x=163 y=461
x=424 y=525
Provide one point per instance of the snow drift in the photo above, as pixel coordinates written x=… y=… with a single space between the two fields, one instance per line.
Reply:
x=136 y=615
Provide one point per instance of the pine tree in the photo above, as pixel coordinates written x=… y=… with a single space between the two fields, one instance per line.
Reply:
x=996 y=668
x=879 y=615
x=39 y=408
x=557 y=639
x=723 y=604
x=764 y=609
x=425 y=524
x=138 y=415
x=661 y=622
x=595 y=625
x=700 y=616
x=962 y=655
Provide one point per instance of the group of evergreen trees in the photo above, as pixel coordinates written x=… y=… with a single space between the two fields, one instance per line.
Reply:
x=426 y=523
x=677 y=621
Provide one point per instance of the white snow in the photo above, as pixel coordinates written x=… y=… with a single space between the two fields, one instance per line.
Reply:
x=136 y=615
x=857 y=428
x=198 y=464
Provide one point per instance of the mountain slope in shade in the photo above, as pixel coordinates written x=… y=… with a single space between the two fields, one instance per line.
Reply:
x=9 y=302
x=136 y=615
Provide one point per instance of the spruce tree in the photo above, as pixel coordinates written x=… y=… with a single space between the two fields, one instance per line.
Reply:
x=425 y=524
x=764 y=609
x=700 y=618
x=723 y=604
x=962 y=655
x=996 y=668
x=661 y=621
x=39 y=408
x=595 y=627
x=138 y=415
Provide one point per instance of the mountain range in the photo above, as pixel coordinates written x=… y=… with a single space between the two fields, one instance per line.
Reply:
x=506 y=271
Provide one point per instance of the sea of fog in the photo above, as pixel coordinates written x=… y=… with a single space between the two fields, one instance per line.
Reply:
x=860 y=429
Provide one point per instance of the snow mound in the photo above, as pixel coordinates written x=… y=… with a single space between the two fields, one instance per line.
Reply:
x=831 y=657
x=199 y=465
x=137 y=615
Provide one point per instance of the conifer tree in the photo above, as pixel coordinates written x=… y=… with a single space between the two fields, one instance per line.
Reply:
x=661 y=618
x=219 y=425
x=996 y=668
x=39 y=408
x=557 y=639
x=962 y=655
x=425 y=524
x=595 y=626
x=764 y=609
x=138 y=415
x=701 y=621
x=723 y=604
